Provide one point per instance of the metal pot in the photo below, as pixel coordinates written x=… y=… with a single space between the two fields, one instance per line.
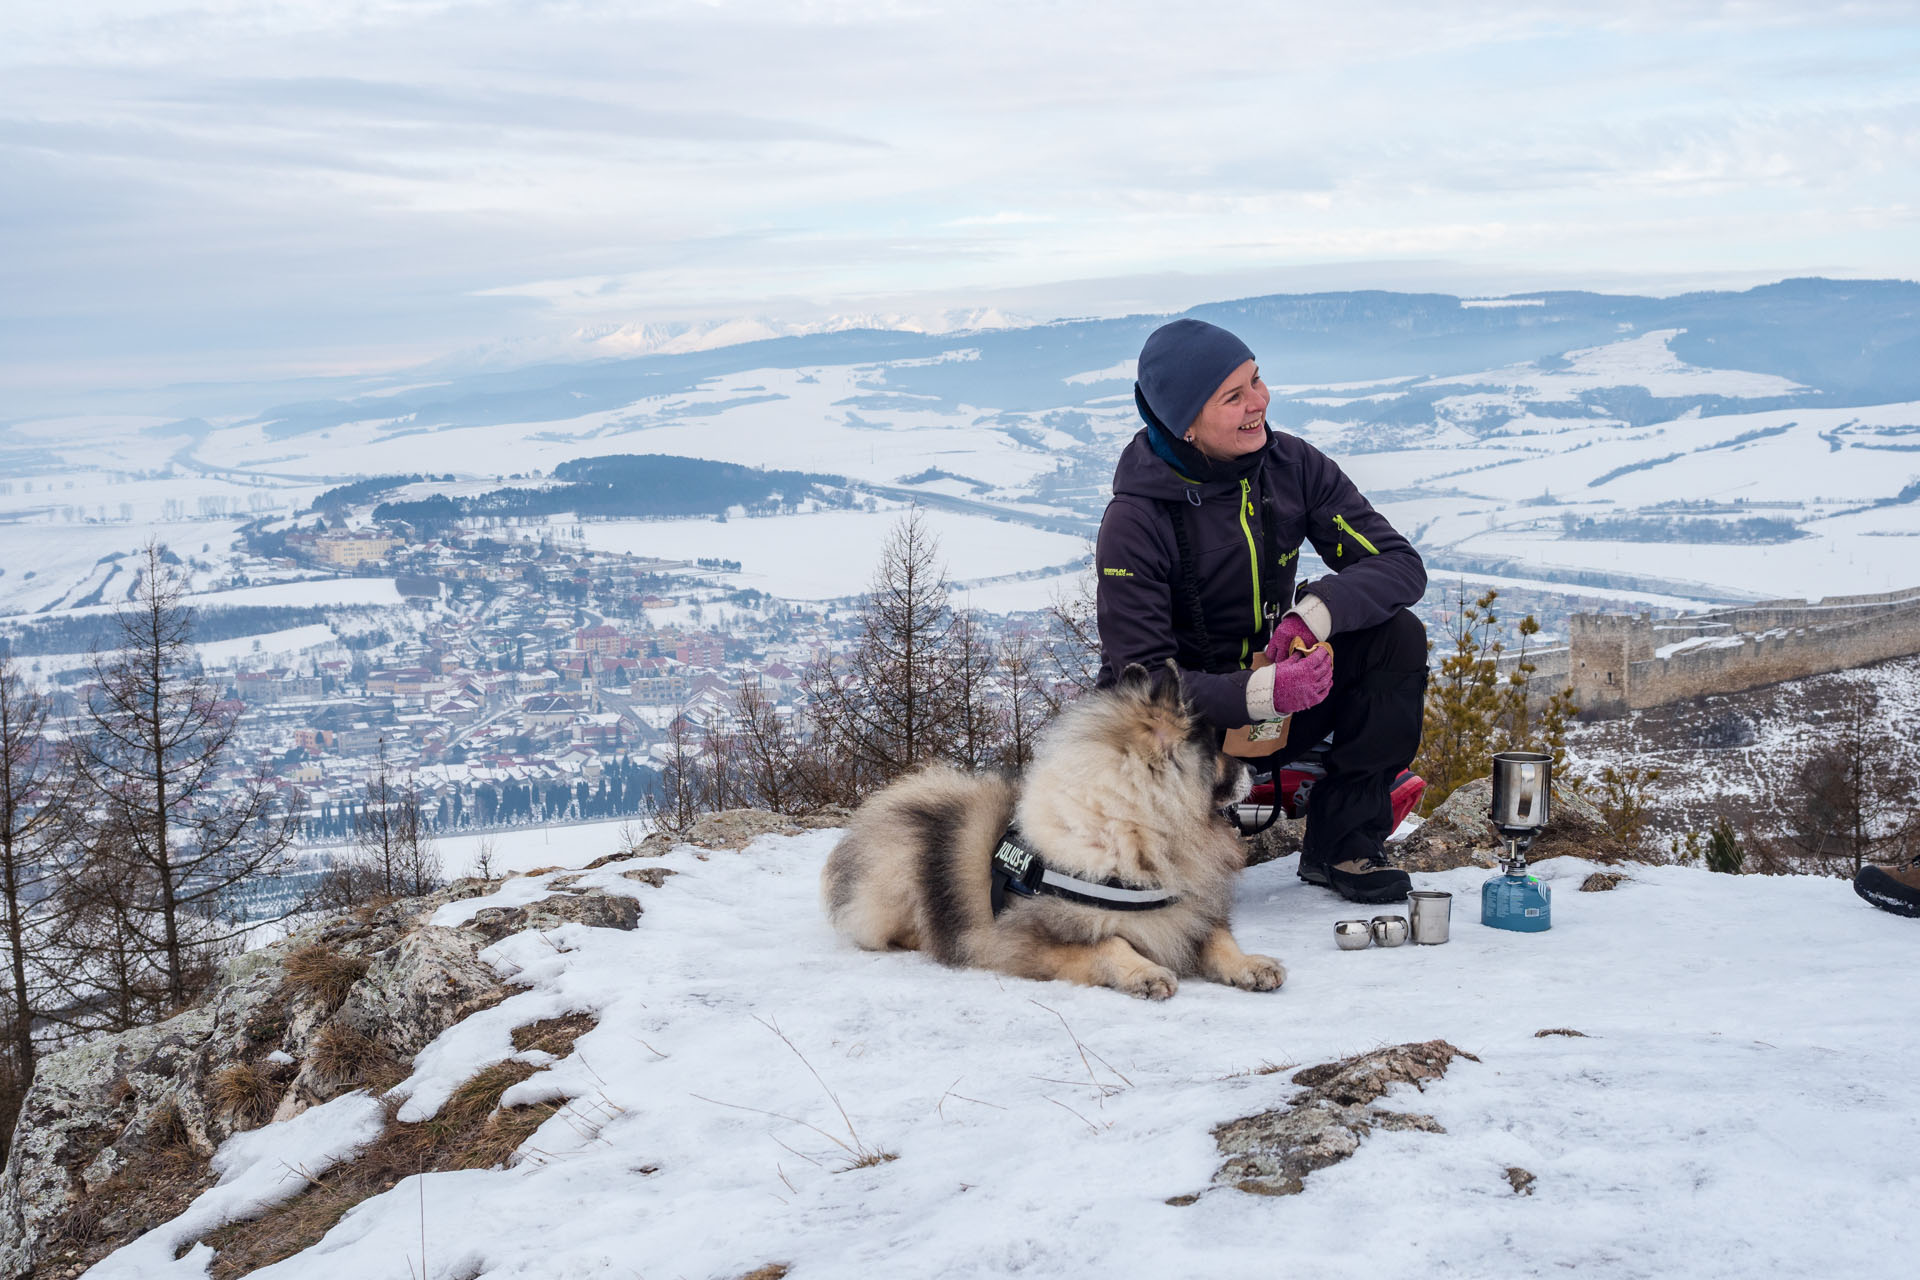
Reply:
x=1522 y=791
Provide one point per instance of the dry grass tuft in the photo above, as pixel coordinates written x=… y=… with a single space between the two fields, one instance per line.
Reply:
x=470 y=1132
x=153 y=1188
x=502 y=1135
x=772 y=1271
x=167 y=1128
x=120 y=1092
x=1267 y=1068
x=244 y=1093
x=554 y=1035
x=342 y=1055
x=323 y=975
x=868 y=1158
x=268 y=1024
x=476 y=1099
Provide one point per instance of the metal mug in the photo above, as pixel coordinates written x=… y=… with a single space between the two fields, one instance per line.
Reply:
x=1432 y=913
x=1389 y=931
x=1522 y=791
x=1353 y=935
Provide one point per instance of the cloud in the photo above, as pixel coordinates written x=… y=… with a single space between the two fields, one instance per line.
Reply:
x=255 y=182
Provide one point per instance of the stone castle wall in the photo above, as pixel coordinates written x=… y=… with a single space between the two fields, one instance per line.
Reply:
x=1621 y=662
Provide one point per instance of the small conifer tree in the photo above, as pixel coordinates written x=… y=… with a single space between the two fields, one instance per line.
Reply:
x=1723 y=852
x=1473 y=712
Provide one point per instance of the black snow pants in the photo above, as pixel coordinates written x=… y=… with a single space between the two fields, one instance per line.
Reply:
x=1374 y=714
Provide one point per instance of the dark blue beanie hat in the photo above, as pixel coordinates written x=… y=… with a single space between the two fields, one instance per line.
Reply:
x=1181 y=365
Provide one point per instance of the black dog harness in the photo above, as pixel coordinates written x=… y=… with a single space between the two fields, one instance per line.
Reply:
x=1017 y=869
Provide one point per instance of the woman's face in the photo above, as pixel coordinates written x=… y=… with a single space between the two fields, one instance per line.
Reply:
x=1233 y=422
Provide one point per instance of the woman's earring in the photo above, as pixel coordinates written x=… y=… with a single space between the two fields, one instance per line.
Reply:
x=1188 y=437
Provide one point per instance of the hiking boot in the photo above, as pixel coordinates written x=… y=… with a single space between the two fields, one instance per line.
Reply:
x=1369 y=879
x=1895 y=889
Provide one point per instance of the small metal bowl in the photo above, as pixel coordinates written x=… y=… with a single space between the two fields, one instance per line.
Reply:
x=1389 y=931
x=1353 y=935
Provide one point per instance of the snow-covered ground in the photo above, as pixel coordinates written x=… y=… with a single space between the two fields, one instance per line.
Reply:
x=528 y=848
x=827 y=554
x=1742 y=1102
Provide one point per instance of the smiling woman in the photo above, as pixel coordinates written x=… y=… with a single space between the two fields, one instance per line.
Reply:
x=1197 y=558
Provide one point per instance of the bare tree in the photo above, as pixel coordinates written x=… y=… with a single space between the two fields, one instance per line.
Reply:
x=976 y=732
x=891 y=706
x=1074 y=648
x=768 y=752
x=107 y=979
x=677 y=803
x=1855 y=799
x=149 y=751
x=34 y=799
x=720 y=782
x=394 y=855
x=1028 y=700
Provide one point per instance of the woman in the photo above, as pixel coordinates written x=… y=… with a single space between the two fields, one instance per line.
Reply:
x=1196 y=562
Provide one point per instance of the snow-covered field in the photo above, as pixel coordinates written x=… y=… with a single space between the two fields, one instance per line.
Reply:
x=1485 y=468
x=832 y=553
x=1741 y=1102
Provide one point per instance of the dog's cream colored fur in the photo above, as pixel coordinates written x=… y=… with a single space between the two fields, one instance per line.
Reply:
x=1123 y=784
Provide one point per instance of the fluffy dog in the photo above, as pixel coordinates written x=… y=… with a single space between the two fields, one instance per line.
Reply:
x=1125 y=788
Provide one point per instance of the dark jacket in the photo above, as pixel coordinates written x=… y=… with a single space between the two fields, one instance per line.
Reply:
x=1289 y=488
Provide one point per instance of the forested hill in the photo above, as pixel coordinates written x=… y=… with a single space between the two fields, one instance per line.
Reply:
x=625 y=485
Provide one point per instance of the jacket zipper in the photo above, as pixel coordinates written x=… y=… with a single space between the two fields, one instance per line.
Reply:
x=1340 y=522
x=1253 y=559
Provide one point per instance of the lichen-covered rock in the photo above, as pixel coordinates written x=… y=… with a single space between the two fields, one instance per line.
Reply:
x=1366 y=1077
x=417 y=988
x=1459 y=833
x=1278 y=841
x=595 y=910
x=101 y=1119
x=738 y=828
x=1272 y=1153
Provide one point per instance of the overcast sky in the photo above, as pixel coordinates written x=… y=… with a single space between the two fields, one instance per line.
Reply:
x=246 y=188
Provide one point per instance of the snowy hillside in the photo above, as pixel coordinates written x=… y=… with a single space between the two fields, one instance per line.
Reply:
x=1712 y=446
x=1737 y=1103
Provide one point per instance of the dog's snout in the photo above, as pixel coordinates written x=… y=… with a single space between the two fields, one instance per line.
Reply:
x=1232 y=779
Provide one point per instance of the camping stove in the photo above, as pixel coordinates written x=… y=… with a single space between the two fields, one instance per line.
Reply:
x=1522 y=795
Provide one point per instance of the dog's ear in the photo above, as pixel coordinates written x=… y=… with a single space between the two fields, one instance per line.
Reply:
x=1134 y=679
x=1168 y=691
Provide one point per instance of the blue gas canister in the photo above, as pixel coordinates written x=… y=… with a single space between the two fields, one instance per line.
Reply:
x=1517 y=901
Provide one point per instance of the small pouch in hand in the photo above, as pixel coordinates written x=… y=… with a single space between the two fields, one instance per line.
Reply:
x=1265 y=737
x=1262 y=738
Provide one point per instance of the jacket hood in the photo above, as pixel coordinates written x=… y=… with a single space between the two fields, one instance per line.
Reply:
x=1158 y=464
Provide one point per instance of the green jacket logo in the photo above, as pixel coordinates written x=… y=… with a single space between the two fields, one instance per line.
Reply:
x=1118 y=573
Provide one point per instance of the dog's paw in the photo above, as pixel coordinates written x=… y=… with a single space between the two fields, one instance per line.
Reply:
x=1150 y=982
x=1260 y=973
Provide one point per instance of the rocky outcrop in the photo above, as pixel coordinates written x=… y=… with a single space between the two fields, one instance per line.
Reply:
x=1272 y=1153
x=728 y=829
x=1459 y=833
x=115 y=1135
x=1277 y=841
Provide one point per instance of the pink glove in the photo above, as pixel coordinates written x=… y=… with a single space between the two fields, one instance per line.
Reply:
x=1304 y=679
x=1290 y=627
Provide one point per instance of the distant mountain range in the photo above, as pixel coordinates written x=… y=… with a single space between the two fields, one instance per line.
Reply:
x=1851 y=342
x=1708 y=446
